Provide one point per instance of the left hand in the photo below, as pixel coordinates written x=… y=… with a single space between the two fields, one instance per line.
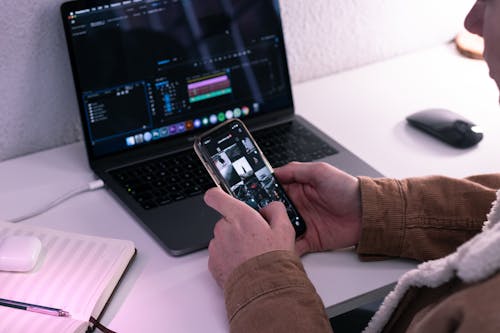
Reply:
x=243 y=233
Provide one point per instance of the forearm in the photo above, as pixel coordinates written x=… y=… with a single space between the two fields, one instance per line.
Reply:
x=422 y=218
x=271 y=293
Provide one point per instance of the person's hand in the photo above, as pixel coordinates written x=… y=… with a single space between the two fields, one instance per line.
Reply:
x=329 y=201
x=243 y=233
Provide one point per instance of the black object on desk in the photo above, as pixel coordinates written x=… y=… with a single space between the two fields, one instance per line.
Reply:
x=447 y=126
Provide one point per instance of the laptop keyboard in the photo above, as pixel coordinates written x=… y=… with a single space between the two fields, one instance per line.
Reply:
x=175 y=177
x=291 y=142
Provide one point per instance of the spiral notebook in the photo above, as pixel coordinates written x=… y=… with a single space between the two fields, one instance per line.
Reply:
x=77 y=273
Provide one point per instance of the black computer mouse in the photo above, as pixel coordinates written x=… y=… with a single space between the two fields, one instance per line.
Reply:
x=447 y=126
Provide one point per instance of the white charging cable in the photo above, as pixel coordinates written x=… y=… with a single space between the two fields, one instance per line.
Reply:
x=92 y=186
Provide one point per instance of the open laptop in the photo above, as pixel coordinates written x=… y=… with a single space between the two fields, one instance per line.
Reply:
x=152 y=74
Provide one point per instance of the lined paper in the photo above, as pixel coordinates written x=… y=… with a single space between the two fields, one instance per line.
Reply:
x=75 y=272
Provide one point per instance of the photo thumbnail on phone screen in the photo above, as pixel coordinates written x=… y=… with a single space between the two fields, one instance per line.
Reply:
x=246 y=174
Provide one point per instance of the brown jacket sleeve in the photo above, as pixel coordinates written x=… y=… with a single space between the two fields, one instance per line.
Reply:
x=422 y=218
x=271 y=293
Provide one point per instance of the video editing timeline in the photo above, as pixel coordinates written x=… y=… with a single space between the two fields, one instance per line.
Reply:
x=209 y=87
x=184 y=80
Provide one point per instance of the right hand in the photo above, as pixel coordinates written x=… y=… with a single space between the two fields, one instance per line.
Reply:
x=329 y=200
x=242 y=233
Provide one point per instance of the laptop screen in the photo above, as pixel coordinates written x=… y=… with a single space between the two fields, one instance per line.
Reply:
x=150 y=70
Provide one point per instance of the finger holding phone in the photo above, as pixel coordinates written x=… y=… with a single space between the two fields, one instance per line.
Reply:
x=238 y=166
x=329 y=200
x=244 y=233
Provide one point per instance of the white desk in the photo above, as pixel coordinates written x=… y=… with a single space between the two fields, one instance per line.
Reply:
x=364 y=109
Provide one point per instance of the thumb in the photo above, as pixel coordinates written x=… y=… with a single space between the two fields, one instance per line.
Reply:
x=302 y=247
x=275 y=214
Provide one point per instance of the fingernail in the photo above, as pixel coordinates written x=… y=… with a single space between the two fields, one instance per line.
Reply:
x=207 y=196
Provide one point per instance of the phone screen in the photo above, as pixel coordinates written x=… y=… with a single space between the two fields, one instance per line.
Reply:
x=235 y=159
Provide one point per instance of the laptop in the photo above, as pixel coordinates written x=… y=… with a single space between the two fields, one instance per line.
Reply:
x=150 y=75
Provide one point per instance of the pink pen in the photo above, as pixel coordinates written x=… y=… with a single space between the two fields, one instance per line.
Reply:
x=34 y=308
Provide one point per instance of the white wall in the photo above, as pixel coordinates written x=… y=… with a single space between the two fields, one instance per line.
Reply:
x=38 y=107
x=326 y=36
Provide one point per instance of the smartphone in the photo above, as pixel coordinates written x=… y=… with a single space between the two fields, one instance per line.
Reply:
x=237 y=165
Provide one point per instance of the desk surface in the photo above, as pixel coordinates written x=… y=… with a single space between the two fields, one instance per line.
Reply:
x=364 y=109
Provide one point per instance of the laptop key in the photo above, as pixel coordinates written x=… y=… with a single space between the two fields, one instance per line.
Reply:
x=194 y=190
x=164 y=200
x=149 y=205
x=179 y=197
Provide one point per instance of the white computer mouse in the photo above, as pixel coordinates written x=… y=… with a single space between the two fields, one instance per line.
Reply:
x=19 y=253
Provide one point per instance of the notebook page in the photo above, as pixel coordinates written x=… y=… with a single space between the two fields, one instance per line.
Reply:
x=72 y=272
x=19 y=321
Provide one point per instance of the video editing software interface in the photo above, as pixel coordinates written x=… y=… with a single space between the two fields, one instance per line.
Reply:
x=236 y=158
x=148 y=70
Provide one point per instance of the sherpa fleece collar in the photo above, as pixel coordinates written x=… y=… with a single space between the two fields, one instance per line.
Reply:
x=475 y=260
